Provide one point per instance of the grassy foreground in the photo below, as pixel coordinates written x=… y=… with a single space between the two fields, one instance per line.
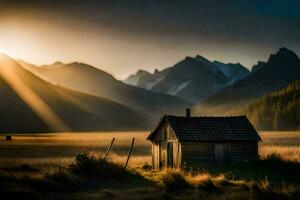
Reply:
x=44 y=167
x=89 y=177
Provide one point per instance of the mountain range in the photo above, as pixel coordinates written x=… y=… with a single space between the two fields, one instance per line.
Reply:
x=30 y=104
x=80 y=97
x=193 y=78
x=277 y=72
x=228 y=89
x=91 y=80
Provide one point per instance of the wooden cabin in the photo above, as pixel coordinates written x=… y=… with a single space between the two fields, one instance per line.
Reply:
x=178 y=141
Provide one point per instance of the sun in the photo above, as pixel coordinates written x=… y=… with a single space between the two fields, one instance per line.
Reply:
x=9 y=53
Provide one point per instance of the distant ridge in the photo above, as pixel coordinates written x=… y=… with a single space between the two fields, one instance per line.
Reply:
x=29 y=104
x=193 y=79
x=91 y=80
x=282 y=68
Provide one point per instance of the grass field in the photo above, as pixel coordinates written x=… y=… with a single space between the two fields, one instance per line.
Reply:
x=61 y=149
x=286 y=144
x=36 y=155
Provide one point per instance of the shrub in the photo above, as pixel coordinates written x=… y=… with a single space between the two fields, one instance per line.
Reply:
x=263 y=190
x=174 y=181
x=91 y=167
x=204 y=181
x=277 y=162
x=63 y=179
x=208 y=185
x=21 y=168
x=274 y=158
x=42 y=185
x=147 y=167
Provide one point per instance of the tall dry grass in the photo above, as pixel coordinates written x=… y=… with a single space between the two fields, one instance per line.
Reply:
x=286 y=144
x=48 y=157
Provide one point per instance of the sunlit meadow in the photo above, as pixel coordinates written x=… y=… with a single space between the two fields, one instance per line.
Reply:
x=61 y=149
x=41 y=162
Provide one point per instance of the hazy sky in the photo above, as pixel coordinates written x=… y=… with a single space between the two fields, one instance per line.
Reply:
x=122 y=36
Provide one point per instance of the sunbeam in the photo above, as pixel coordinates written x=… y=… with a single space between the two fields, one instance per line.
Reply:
x=7 y=72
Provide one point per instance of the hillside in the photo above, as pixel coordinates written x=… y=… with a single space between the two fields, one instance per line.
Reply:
x=193 y=78
x=29 y=104
x=88 y=79
x=281 y=69
x=279 y=110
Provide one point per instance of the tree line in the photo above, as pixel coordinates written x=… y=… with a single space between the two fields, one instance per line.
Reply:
x=279 y=110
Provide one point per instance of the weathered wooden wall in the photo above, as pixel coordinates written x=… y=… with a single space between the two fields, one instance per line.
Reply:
x=206 y=152
x=163 y=136
x=155 y=155
x=165 y=145
x=177 y=152
x=197 y=151
x=243 y=151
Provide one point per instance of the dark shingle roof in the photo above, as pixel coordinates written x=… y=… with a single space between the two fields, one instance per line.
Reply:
x=235 y=128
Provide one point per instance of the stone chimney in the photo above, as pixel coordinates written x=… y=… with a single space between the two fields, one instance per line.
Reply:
x=187 y=112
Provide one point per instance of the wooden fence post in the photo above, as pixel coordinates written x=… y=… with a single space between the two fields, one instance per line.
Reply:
x=106 y=154
x=129 y=153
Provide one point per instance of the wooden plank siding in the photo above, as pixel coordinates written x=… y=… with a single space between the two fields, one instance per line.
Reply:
x=160 y=142
x=168 y=151
x=176 y=152
x=155 y=155
x=243 y=151
x=197 y=151
x=206 y=152
x=222 y=152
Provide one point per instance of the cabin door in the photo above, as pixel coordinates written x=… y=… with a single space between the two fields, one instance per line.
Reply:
x=170 y=155
x=222 y=152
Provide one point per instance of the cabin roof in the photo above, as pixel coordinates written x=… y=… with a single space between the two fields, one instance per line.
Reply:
x=233 y=128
